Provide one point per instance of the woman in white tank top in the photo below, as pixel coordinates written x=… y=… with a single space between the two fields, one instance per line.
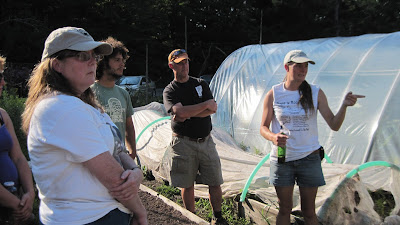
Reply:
x=293 y=105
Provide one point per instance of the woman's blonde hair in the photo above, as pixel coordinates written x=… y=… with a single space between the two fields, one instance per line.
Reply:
x=46 y=81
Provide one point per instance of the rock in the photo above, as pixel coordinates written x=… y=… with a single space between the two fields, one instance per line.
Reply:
x=349 y=204
x=392 y=220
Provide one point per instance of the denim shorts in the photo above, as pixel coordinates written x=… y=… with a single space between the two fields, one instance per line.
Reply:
x=307 y=172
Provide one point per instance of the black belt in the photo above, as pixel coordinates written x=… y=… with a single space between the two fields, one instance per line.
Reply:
x=198 y=140
x=315 y=152
x=320 y=151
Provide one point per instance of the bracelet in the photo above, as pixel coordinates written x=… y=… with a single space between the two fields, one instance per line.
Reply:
x=135 y=167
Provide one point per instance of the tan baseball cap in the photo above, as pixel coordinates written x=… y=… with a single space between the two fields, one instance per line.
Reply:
x=297 y=56
x=73 y=38
x=177 y=55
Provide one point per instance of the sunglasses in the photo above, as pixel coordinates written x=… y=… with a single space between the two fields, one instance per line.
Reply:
x=181 y=51
x=176 y=54
x=85 y=56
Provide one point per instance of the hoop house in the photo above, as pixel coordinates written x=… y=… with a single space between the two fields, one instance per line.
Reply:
x=367 y=65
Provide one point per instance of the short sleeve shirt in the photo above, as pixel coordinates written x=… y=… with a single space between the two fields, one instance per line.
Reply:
x=64 y=133
x=116 y=102
x=192 y=92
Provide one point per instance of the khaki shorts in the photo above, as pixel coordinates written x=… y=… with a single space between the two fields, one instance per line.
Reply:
x=192 y=161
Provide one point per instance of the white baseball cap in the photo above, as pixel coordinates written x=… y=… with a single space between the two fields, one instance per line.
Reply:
x=297 y=56
x=73 y=38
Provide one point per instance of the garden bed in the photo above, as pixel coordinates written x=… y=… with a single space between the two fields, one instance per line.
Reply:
x=383 y=200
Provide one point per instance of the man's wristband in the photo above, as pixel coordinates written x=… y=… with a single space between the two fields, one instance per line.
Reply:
x=135 y=167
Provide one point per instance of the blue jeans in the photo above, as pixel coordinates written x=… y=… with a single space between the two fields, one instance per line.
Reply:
x=113 y=217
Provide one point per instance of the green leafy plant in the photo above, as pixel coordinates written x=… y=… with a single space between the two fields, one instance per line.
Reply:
x=168 y=191
x=243 y=146
x=229 y=211
x=383 y=202
x=257 y=151
x=264 y=213
x=228 y=207
x=203 y=208
x=147 y=174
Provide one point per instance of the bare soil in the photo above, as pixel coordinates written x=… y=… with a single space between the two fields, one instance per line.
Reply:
x=158 y=212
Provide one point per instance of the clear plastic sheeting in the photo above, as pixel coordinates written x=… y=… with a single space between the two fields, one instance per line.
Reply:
x=237 y=165
x=367 y=65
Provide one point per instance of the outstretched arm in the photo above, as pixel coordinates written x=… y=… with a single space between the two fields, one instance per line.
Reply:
x=335 y=121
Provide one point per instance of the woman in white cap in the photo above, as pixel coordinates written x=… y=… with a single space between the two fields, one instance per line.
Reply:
x=70 y=142
x=289 y=121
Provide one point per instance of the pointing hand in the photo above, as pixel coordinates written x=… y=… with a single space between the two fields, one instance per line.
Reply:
x=351 y=99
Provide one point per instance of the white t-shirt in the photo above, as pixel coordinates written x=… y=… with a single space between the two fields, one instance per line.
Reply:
x=64 y=133
x=303 y=136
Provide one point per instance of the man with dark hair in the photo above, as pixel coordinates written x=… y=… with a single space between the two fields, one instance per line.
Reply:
x=116 y=100
x=192 y=155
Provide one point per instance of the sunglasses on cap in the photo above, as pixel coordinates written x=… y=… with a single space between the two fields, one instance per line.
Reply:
x=180 y=51
x=175 y=55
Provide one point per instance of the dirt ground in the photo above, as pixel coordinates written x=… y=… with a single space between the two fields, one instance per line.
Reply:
x=158 y=212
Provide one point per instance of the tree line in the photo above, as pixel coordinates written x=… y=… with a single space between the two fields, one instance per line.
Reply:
x=209 y=29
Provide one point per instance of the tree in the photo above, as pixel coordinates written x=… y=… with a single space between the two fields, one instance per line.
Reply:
x=215 y=28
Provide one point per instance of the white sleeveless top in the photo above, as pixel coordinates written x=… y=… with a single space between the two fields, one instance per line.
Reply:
x=303 y=136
